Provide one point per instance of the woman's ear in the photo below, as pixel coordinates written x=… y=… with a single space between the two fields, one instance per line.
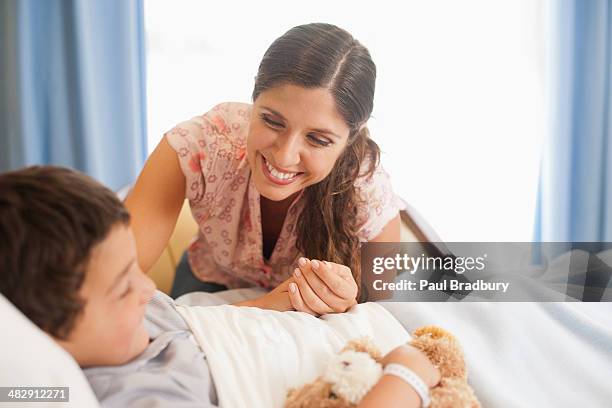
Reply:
x=357 y=133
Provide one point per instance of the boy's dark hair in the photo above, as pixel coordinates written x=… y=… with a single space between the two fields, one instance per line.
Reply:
x=50 y=220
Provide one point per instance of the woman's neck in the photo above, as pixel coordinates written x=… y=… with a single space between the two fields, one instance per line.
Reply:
x=273 y=215
x=276 y=208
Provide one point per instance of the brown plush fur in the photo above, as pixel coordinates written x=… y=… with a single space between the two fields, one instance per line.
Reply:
x=440 y=346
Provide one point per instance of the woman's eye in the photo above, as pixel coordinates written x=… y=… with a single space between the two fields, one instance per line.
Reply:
x=270 y=122
x=318 y=141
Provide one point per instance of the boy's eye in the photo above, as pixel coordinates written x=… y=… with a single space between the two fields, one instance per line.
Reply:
x=126 y=292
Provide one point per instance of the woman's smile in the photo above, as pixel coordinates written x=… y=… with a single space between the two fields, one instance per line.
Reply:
x=276 y=175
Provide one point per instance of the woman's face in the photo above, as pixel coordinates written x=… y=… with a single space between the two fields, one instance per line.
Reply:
x=295 y=137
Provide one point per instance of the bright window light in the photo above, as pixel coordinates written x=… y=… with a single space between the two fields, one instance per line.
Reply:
x=460 y=108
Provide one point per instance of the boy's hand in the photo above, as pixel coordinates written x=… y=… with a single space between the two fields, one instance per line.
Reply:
x=322 y=287
x=277 y=299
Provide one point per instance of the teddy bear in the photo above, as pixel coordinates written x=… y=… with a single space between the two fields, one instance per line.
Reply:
x=356 y=369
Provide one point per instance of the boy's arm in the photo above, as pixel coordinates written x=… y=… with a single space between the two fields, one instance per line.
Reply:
x=277 y=299
x=392 y=391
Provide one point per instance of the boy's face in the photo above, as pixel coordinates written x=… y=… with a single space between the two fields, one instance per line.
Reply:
x=110 y=331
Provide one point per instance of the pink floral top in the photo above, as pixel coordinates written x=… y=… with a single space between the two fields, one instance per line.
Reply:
x=228 y=248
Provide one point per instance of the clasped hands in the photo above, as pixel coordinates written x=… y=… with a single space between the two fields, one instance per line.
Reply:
x=316 y=287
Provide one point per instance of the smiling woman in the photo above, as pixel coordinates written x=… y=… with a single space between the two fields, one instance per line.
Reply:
x=307 y=154
x=284 y=190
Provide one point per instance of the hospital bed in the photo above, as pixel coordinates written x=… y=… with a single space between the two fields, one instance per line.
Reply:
x=518 y=354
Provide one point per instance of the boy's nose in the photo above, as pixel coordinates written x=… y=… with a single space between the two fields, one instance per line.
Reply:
x=148 y=289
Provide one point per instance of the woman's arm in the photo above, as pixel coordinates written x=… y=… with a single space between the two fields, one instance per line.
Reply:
x=155 y=202
x=390 y=232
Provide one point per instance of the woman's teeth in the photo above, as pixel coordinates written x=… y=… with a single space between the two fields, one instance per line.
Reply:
x=279 y=175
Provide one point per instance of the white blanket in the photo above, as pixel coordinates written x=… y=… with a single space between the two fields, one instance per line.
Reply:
x=518 y=354
x=256 y=356
x=527 y=354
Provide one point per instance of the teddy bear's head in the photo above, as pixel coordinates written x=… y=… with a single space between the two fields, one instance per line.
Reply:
x=352 y=374
x=354 y=371
x=348 y=377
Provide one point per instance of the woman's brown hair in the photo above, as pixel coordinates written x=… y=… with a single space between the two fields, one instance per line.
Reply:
x=325 y=56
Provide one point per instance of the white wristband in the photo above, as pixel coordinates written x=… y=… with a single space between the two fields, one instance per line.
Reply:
x=411 y=378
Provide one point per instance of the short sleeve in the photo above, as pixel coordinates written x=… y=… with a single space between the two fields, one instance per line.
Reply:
x=379 y=203
x=210 y=148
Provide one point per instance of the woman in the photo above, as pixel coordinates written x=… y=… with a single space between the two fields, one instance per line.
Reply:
x=284 y=190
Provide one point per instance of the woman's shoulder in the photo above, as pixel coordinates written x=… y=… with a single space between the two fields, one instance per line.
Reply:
x=378 y=203
x=226 y=127
x=229 y=118
x=220 y=132
x=212 y=147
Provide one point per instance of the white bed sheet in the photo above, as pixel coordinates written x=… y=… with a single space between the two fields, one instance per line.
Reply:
x=518 y=354
x=527 y=354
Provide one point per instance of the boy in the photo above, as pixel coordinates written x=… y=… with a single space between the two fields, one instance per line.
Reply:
x=69 y=263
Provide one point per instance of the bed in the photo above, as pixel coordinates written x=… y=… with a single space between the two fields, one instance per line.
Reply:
x=518 y=354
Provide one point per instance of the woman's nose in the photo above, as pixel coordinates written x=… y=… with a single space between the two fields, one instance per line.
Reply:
x=288 y=149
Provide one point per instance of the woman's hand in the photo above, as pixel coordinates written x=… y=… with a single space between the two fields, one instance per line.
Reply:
x=322 y=287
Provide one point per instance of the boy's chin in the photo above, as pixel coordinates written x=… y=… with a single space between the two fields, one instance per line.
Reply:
x=139 y=344
x=141 y=341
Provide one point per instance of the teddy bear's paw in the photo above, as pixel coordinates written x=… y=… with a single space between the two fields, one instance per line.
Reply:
x=317 y=394
x=453 y=393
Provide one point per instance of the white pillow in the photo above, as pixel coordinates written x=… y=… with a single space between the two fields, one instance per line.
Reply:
x=30 y=358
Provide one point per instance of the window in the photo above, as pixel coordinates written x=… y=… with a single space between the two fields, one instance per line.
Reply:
x=460 y=108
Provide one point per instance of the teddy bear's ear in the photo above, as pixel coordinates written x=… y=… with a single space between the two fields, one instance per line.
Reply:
x=434 y=332
x=364 y=345
x=442 y=348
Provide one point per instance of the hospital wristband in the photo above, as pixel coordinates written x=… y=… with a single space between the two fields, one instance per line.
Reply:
x=411 y=378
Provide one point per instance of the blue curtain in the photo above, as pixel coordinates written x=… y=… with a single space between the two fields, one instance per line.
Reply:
x=72 y=86
x=575 y=191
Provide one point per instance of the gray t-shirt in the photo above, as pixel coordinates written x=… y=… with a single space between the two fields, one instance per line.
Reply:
x=171 y=372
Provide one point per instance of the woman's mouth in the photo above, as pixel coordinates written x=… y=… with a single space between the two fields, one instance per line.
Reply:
x=276 y=176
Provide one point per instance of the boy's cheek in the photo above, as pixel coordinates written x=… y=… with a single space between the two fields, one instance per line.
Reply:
x=126 y=342
x=134 y=337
